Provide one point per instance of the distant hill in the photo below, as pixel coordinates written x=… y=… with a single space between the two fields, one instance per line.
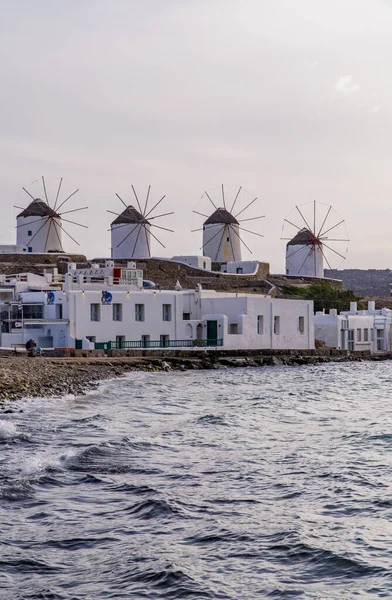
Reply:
x=369 y=282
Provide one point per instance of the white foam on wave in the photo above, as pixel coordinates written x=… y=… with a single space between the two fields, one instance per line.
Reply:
x=7 y=430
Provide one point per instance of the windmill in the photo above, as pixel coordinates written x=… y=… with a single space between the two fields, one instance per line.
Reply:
x=40 y=225
x=223 y=231
x=131 y=230
x=314 y=233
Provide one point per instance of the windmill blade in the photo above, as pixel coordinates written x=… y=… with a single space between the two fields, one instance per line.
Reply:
x=47 y=235
x=145 y=206
x=216 y=208
x=74 y=223
x=223 y=197
x=236 y=198
x=200 y=229
x=164 y=228
x=57 y=195
x=66 y=233
x=241 y=240
x=137 y=199
x=333 y=239
x=155 y=238
x=121 y=200
x=24 y=189
x=232 y=247
x=325 y=218
x=251 y=219
x=147 y=242
x=314 y=218
x=117 y=214
x=306 y=258
x=246 y=208
x=66 y=200
x=31 y=222
x=293 y=224
x=254 y=233
x=331 y=228
x=197 y=213
x=326 y=260
x=137 y=237
x=304 y=220
x=154 y=207
x=332 y=250
x=128 y=234
x=74 y=210
x=37 y=232
x=58 y=237
x=162 y=215
x=46 y=195
x=20 y=207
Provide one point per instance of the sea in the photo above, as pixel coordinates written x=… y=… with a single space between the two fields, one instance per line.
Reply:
x=271 y=482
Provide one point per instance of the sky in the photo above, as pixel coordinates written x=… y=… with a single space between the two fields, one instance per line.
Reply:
x=291 y=99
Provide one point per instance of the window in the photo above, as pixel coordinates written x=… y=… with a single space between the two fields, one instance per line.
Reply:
x=260 y=324
x=120 y=339
x=139 y=312
x=91 y=338
x=164 y=340
x=228 y=239
x=29 y=233
x=345 y=324
x=239 y=270
x=233 y=328
x=166 y=312
x=95 y=312
x=365 y=335
x=186 y=316
x=29 y=249
x=372 y=335
x=32 y=311
x=301 y=324
x=145 y=341
x=117 y=312
x=359 y=335
x=59 y=311
x=276 y=325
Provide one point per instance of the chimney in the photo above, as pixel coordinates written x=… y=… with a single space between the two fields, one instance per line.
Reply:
x=371 y=305
x=353 y=307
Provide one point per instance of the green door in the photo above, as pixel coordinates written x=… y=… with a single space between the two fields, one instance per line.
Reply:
x=212 y=333
x=78 y=344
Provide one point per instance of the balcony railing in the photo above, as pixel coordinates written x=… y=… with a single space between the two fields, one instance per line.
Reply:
x=146 y=344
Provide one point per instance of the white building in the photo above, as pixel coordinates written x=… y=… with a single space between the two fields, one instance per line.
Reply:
x=304 y=255
x=130 y=235
x=39 y=228
x=355 y=329
x=95 y=306
x=197 y=262
x=221 y=237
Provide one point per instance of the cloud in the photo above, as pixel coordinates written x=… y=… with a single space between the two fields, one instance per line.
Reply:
x=345 y=85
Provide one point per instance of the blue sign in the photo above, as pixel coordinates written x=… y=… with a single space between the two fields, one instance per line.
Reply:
x=106 y=298
x=49 y=297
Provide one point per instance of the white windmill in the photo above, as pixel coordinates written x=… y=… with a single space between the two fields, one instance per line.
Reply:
x=40 y=226
x=223 y=231
x=131 y=230
x=321 y=235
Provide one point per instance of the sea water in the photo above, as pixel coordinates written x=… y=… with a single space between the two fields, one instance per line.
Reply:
x=272 y=482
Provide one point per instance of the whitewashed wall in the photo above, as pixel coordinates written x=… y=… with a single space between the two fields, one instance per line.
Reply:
x=48 y=239
x=299 y=263
x=220 y=243
x=137 y=245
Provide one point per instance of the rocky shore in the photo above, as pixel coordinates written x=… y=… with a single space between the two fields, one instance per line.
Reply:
x=22 y=377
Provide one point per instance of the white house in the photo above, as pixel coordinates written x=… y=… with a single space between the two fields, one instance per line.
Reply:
x=91 y=307
x=304 y=255
x=197 y=262
x=39 y=228
x=355 y=329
